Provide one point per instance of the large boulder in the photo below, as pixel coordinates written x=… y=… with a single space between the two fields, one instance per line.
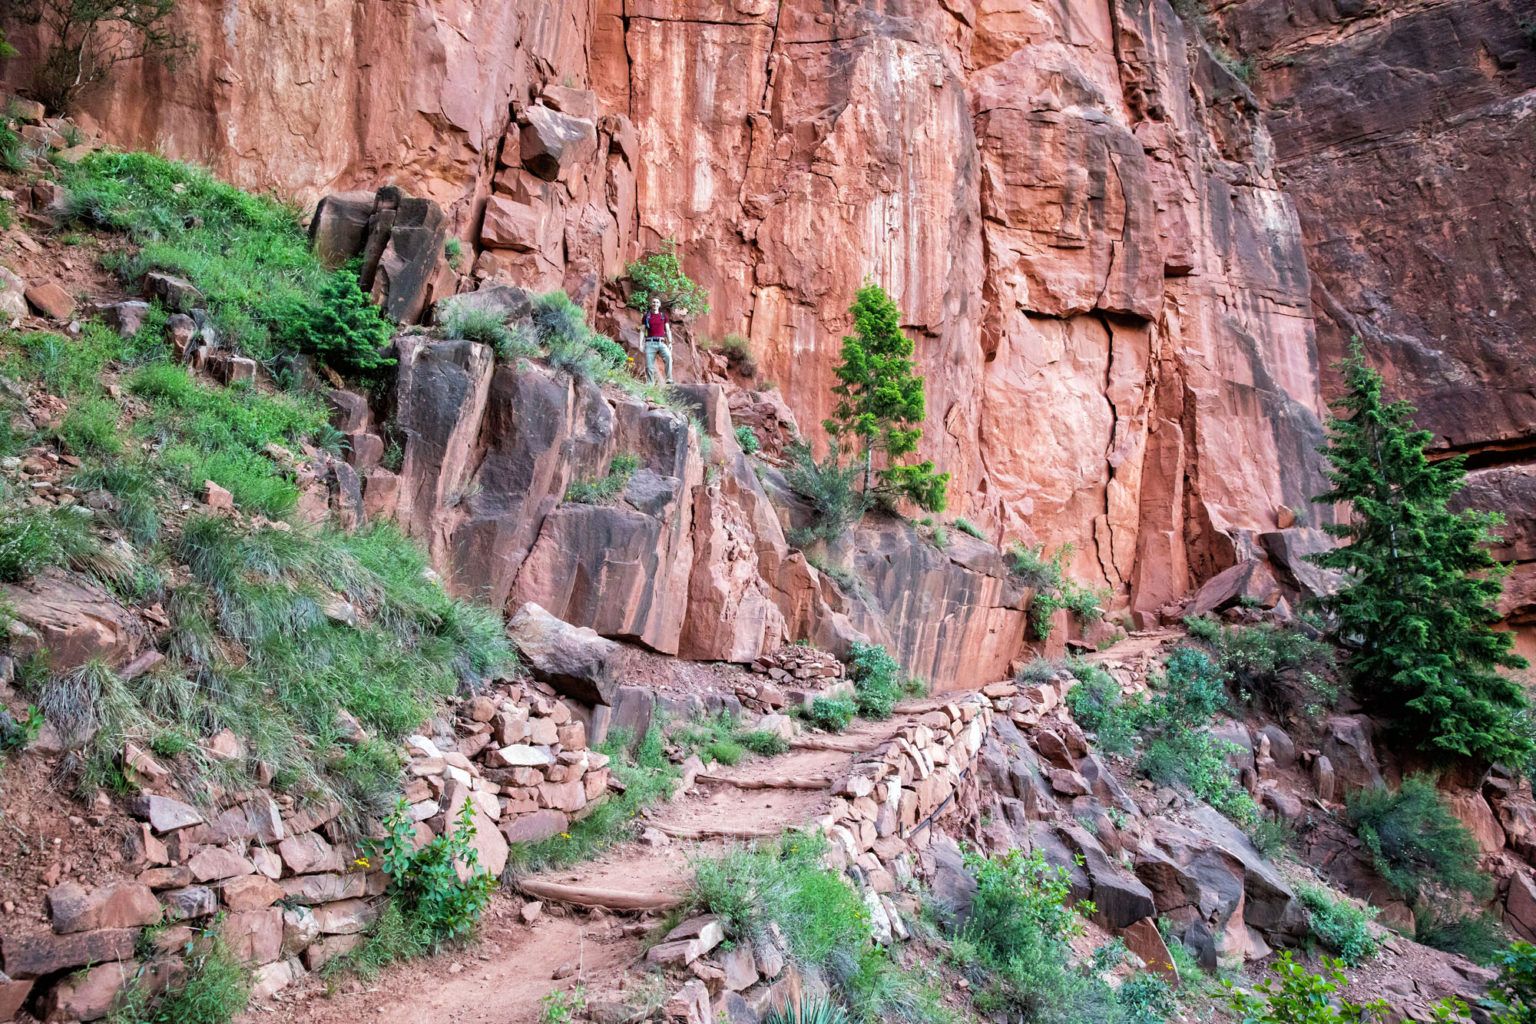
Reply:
x=399 y=237
x=572 y=659
x=551 y=143
x=1347 y=743
x=1247 y=582
x=73 y=620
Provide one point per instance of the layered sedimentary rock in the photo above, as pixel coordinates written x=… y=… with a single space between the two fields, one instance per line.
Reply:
x=1404 y=131
x=1073 y=204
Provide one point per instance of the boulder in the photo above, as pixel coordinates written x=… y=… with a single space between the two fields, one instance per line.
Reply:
x=339 y=229
x=126 y=318
x=189 y=902
x=572 y=659
x=90 y=994
x=344 y=917
x=212 y=863
x=1347 y=743
x=1247 y=582
x=174 y=293
x=530 y=828
x=1143 y=939
x=1519 y=906
x=13 y=301
x=250 y=892
x=73 y=620
x=550 y=143
x=51 y=300
x=165 y=814
x=13 y=995
x=403 y=252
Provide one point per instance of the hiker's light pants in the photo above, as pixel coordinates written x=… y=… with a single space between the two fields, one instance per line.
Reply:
x=653 y=348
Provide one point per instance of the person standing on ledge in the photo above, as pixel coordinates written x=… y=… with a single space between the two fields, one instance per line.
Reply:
x=658 y=341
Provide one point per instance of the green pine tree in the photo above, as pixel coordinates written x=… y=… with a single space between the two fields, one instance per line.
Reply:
x=880 y=404
x=1417 y=604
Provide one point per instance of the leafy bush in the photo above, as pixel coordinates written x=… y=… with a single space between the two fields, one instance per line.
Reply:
x=762 y=741
x=747 y=438
x=1513 y=995
x=88 y=38
x=1341 y=926
x=966 y=526
x=563 y=1007
x=1191 y=692
x=876 y=678
x=215 y=989
x=660 y=276
x=830 y=488
x=16 y=733
x=1283 y=668
x=608 y=487
x=1415 y=842
x=1053 y=589
x=341 y=326
x=831 y=714
x=426 y=882
x=1419 y=602
x=1204 y=628
x=1296 y=996
x=1099 y=707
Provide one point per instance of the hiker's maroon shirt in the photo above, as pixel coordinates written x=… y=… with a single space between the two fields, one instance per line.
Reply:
x=655 y=325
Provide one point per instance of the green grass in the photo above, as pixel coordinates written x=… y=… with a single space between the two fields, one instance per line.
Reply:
x=247 y=254
x=647 y=776
x=214 y=990
x=721 y=738
x=90 y=428
x=33 y=538
x=605 y=488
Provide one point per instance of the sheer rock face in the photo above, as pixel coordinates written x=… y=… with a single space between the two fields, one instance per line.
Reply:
x=1404 y=132
x=1074 y=206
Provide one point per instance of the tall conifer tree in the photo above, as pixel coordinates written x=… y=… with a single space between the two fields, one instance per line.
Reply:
x=880 y=400
x=1417 y=604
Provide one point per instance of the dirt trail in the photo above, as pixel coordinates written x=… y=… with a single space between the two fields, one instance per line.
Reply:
x=588 y=934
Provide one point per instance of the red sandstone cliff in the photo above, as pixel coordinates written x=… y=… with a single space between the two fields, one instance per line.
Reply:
x=1405 y=133
x=1073 y=203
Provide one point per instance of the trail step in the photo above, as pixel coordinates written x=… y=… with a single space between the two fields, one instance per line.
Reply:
x=769 y=781
x=716 y=831
x=588 y=896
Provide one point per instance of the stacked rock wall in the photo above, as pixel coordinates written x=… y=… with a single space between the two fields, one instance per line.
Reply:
x=293 y=884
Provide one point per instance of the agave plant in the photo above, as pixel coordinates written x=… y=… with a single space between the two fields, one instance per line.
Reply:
x=809 y=1011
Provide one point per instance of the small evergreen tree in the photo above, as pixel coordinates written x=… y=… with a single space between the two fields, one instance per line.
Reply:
x=1417 y=601
x=880 y=401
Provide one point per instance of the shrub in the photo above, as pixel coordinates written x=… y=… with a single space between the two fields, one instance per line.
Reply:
x=215 y=989
x=453 y=252
x=1203 y=628
x=341 y=326
x=966 y=526
x=1098 y=706
x=831 y=714
x=1283 y=668
x=1191 y=692
x=1419 y=602
x=829 y=487
x=1341 y=926
x=761 y=741
x=88 y=38
x=1053 y=589
x=808 y=1011
x=563 y=1007
x=1479 y=937
x=1414 y=840
x=425 y=882
x=16 y=733
x=876 y=679
x=747 y=438
x=660 y=276
x=488 y=328
x=574 y=348
x=738 y=352
x=1296 y=996
x=608 y=487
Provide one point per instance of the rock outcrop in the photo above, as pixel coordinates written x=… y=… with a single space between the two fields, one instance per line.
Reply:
x=1074 y=205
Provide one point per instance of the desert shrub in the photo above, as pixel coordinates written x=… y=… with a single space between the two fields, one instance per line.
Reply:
x=747 y=438
x=1015 y=944
x=1340 y=926
x=453 y=252
x=1053 y=589
x=1099 y=707
x=831 y=490
x=1203 y=628
x=1296 y=996
x=341 y=326
x=1479 y=937
x=1282 y=668
x=966 y=526
x=876 y=678
x=215 y=989
x=562 y=1006
x=575 y=348
x=1415 y=842
x=762 y=741
x=660 y=276
x=831 y=714
x=808 y=1011
x=607 y=487
x=86 y=39
x=509 y=341
x=1190 y=692
x=425 y=882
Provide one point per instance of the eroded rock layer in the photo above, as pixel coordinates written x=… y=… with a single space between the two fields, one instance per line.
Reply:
x=1073 y=204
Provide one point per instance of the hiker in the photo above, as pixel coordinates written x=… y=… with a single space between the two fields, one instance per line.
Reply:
x=658 y=341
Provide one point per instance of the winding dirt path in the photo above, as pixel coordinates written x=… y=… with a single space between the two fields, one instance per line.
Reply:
x=596 y=915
